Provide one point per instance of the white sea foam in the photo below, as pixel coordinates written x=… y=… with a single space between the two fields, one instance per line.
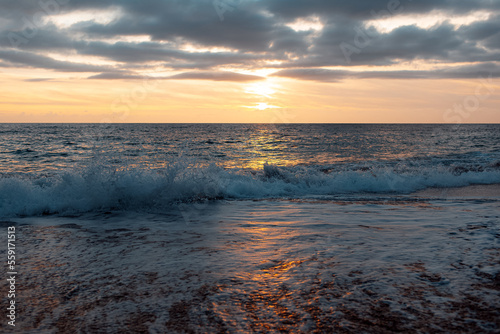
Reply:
x=104 y=188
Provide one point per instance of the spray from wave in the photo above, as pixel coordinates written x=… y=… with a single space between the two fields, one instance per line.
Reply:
x=101 y=187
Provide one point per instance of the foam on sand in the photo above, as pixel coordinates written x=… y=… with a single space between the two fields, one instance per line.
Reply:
x=240 y=266
x=473 y=191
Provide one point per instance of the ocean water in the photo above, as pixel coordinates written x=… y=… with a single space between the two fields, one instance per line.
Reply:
x=76 y=168
x=222 y=228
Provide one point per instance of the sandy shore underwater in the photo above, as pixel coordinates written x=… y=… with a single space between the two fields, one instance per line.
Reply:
x=422 y=263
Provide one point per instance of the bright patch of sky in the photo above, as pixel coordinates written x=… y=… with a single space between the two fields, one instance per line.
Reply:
x=102 y=16
x=306 y=24
x=388 y=24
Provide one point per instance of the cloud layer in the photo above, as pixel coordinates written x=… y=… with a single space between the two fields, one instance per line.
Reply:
x=215 y=40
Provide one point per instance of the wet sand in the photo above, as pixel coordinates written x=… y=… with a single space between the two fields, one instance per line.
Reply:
x=265 y=266
x=475 y=191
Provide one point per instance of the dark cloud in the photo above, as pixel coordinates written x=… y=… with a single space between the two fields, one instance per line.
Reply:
x=255 y=32
x=214 y=76
x=485 y=32
x=324 y=75
x=345 y=43
x=197 y=22
x=217 y=76
x=365 y=9
x=46 y=38
x=314 y=74
x=32 y=60
x=144 y=52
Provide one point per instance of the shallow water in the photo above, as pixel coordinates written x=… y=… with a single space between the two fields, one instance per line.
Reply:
x=408 y=264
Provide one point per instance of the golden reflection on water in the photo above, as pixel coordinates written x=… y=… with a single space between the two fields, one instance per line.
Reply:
x=269 y=293
x=274 y=146
x=267 y=146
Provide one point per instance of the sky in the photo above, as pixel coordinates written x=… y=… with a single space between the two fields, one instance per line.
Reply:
x=250 y=61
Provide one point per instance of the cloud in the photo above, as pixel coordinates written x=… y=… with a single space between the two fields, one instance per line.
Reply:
x=485 y=32
x=314 y=74
x=364 y=9
x=38 y=79
x=117 y=76
x=217 y=76
x=171 y=55
x=214 y=76
x=190 y=35
x=198 y=22
x=32 y=60
x=326 y=75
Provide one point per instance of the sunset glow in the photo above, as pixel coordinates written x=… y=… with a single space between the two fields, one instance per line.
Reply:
x=186 y=62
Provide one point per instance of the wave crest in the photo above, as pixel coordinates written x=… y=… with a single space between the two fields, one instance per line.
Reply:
x=103 y=188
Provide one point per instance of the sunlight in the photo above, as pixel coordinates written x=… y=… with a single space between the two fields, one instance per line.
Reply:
x=306 y=24
x=264 y=88
x=262 y=106
x=103 y=16
x=83 y=59
x=117 y=39
x=189 y=47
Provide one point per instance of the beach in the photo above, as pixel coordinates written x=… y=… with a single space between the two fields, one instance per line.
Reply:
x=243 y=166
x=405 y=263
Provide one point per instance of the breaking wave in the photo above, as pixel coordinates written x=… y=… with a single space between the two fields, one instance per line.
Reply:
x=99 y=187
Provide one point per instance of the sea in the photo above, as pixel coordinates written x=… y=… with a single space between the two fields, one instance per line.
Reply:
x=303 y=228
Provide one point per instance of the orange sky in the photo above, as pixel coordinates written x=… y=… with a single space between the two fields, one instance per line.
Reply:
x=271 y=100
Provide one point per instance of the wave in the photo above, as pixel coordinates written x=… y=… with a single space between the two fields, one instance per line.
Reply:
x=99 y=187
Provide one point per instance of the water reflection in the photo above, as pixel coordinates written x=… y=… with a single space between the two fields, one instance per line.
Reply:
x=26 y=148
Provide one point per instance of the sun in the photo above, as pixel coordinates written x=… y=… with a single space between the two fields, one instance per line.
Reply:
x=262 y=106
